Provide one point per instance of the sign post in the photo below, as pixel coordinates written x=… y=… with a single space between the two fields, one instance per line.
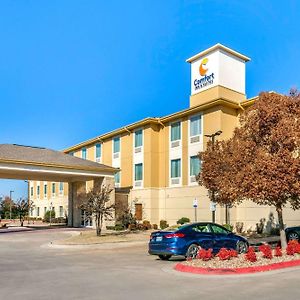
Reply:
x=213 y=208
x=195 y=205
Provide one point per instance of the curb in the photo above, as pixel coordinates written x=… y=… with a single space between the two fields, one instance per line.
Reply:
x=236 y=271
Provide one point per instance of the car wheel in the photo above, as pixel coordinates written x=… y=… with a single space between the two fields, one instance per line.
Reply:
x=164 y=257
x=192 y=251
x=293 y=236
x=241 y=247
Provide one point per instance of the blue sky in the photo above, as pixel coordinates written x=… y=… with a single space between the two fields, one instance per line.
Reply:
x=71 y=70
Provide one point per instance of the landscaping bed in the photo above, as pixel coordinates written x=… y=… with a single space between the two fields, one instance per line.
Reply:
x=228 y=262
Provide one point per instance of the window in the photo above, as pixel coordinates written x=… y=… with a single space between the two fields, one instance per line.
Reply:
x=45 y=190
x=175 y=131
x=138 y=172
x=53 y=188
x=195 y=165
x=195 y=126
x=218 y=229
x=45 y=210
x=138 y=138
x=83 y=153
x=71 y=153
x=31 y=191
x=175 y=168
x=37 y=211
x=61 y=211
x=116 y=147
x=98 y=151
x=117 y=177
x=38 y=190
x=61 y=188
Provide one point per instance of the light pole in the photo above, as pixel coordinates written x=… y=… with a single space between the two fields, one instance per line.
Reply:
x=10 y=192
x=212 y=193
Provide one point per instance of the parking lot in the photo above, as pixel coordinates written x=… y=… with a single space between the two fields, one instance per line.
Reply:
x=30 y=269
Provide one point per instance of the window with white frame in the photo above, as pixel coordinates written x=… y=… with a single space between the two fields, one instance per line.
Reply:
x=53 y=188
x=117 y=178
x=195 y=129
x=138 y=174
x=175 y=131
x=45 y=210
x=38 y=191
x=45 y=190
x=116 y=145
x=195 y=167
x=138 y=138
x=31 y=191
x=61 y=188
x=175 y=171
x=98 y=152
x=83 y=153
x=37 y=211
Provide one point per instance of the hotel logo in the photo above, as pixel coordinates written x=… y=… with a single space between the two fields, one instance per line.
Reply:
x=204 y=80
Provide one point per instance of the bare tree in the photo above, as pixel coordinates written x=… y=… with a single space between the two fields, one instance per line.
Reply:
x=96 y=205
x=261 y=161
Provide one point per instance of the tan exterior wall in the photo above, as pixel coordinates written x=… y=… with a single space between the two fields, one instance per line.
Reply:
x=126 y=159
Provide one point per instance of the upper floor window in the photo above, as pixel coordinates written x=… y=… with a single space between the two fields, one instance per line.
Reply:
x=195 y=125
x=53 y=188
x=175 y=168
x=38 y=190
x=117 y=177
x=31 y=191
x=61 y=187
x=138 y=172
x=83 y=153
x=45 y=190
x=175 y=131
x=138 y=138
x=98 y=151
x=116 y=145
x=195 y=165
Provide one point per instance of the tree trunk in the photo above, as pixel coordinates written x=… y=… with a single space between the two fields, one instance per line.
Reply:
x=281 y=227
x=98 y=227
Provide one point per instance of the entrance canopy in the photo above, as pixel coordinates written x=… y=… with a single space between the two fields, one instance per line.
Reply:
x=36 y=163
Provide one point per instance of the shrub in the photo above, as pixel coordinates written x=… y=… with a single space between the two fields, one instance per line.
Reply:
x=239 y=227
x=293 y=247
x=224 y=254
x=266 y=250
x=146 y=225
x=204 y=254
x=47 y=215
x=228 y=227
x=163 y=224
x=183 y=220
x=260 y=226
x=251 y=255
x=155 y=226
x=278 y=251
x=119 y=227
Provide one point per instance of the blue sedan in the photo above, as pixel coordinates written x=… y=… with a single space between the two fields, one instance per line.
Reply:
x=187 y=239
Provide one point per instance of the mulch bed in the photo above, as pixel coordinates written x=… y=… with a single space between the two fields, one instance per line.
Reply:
x=238 y=265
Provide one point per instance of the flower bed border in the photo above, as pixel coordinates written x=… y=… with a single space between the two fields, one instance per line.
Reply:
x=233 y=271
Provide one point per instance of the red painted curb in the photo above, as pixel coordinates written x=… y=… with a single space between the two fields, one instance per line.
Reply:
x=232 y=271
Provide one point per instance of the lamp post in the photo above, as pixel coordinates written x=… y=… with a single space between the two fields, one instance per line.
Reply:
x=10 y=193
x=212 y=193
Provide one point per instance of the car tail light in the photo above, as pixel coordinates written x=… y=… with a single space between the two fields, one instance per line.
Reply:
x=174 y=235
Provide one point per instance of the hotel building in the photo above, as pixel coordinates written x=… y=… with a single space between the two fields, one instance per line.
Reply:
x=157 y=157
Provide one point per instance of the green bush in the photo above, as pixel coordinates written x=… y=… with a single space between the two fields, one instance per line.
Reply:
x=183 y=220
x=155 y=226
x=228 y=227
x=146 y=225
x=163 y=224
x=47 y=215
x=119 y=227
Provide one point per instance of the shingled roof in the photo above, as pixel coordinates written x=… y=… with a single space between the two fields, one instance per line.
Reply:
x=43 y=156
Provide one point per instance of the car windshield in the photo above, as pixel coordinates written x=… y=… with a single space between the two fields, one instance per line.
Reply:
x=176 y=227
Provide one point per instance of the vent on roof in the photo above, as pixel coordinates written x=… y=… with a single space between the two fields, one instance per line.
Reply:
x=36 y=147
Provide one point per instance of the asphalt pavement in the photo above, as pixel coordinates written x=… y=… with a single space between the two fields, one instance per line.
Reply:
x=31 y=269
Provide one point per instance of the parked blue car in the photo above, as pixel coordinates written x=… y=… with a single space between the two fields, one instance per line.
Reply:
x=187 y=239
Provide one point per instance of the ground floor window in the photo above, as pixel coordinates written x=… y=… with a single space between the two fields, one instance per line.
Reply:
x=86 y=219
x=61 y=211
